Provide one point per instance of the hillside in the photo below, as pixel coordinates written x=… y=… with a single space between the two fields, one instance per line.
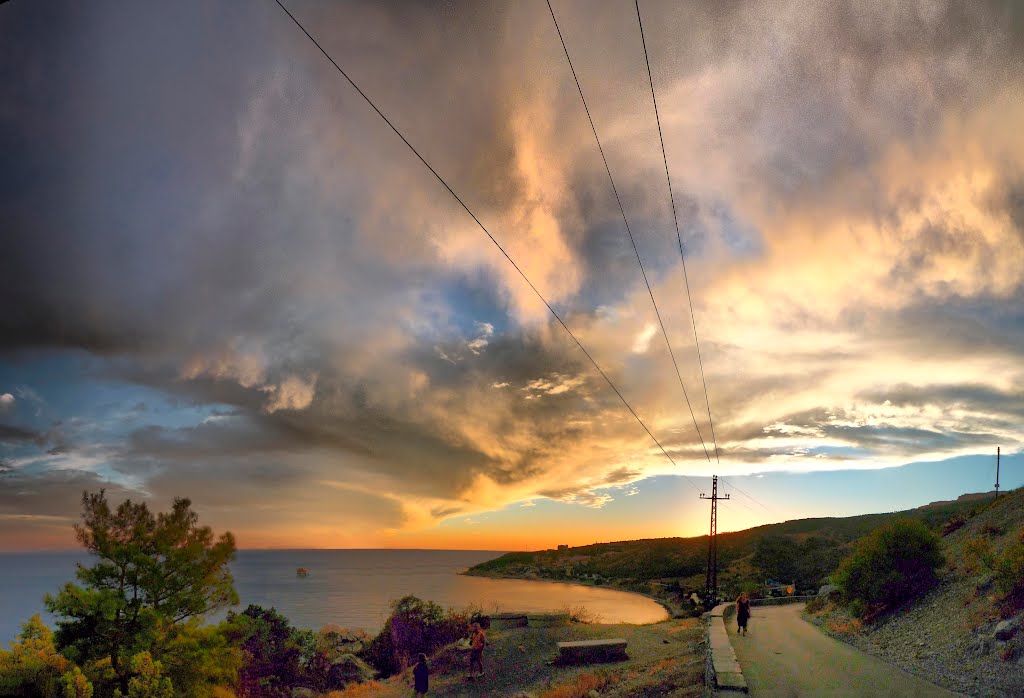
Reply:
x=949 y=636
x=804 y=550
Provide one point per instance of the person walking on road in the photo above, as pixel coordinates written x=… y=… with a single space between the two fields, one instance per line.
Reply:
x=742 y=613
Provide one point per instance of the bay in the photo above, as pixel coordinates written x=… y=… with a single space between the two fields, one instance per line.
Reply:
x=350 y=588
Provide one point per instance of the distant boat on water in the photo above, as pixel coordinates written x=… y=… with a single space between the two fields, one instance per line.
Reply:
x=301 y=572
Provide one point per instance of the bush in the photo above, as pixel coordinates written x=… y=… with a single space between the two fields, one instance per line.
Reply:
x=414 y=626
x=890 y=566
x=858 y=608
x=272 y=656
x=979 y=553
x=817 y=604
x=1009 y=570
x=581 y=614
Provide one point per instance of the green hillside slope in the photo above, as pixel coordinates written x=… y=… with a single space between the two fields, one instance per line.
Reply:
x=804 y=551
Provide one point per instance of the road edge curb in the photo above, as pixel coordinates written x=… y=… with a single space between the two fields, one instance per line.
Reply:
x=721 y=669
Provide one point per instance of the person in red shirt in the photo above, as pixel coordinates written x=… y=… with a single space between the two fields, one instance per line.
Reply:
x=477 y=642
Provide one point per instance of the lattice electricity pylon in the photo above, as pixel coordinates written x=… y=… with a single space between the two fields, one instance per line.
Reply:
x=711 y=582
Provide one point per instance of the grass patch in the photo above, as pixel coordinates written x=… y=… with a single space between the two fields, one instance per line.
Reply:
x=665 y=659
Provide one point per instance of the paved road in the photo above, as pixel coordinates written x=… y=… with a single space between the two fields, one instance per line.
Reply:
x=784 y=655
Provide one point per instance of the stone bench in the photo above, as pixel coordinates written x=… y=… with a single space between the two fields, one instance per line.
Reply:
x=547 y=620
x=583 y=651
x=501 y=621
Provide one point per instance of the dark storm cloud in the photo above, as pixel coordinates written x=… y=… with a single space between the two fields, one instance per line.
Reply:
x=51 y=494
x=53 y=440
x=14 y=434
x=906 y=440
x=1007 y=404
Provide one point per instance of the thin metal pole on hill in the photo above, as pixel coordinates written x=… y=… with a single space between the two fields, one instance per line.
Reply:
x=997 y=471
x=711 y=581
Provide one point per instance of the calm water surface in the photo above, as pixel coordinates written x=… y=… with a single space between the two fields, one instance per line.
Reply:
x=351 y=588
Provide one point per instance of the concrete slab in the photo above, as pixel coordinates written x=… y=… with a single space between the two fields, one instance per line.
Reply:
x=731 y=681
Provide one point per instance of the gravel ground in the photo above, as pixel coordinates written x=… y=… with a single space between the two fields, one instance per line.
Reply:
x=934 y=640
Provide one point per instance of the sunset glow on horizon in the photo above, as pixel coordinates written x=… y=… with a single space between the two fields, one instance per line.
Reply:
x=225 y=278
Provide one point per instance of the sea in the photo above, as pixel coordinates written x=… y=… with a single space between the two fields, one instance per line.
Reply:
x=349 y=588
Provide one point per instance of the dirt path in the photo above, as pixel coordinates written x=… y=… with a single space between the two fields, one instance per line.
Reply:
x=783 y=655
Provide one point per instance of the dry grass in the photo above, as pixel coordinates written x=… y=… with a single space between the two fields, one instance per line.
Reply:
x=581 y=614
x=580 y=685
x=666 y=663
x=358 y=690
x=853 y=626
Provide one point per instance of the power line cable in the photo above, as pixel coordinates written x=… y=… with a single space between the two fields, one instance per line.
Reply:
x=486 y=232
x=675 y=219
x=682 y=257
x=736 y=501
x=628 y=230
x=751 y=498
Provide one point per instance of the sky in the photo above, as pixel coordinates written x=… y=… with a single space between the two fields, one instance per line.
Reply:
x=223 y=276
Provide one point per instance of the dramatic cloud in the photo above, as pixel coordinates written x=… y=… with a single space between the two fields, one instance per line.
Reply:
x=225 y=277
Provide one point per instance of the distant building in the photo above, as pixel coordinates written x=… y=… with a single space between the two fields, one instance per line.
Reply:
x=563 y=548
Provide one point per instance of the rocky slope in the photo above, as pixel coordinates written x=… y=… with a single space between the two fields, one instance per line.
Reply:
x=962 y=635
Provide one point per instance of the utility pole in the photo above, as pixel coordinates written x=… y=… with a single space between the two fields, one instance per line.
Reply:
x=711 y=582
x=997 y=472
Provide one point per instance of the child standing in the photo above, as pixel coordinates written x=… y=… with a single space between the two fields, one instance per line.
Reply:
x=421 y=675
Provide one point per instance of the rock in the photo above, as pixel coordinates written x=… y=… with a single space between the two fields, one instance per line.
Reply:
x=827 y=589
x=349 y=669
x=1007 y=629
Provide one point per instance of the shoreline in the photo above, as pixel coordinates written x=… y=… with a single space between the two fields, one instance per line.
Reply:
x=665 y=605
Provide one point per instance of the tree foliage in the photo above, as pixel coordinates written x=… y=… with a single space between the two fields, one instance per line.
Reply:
x=32 y=667
x=147 y=679
x=279 y=658
x=893 y=564
x=152 y=574
x=272 y=655
x=807 y=562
